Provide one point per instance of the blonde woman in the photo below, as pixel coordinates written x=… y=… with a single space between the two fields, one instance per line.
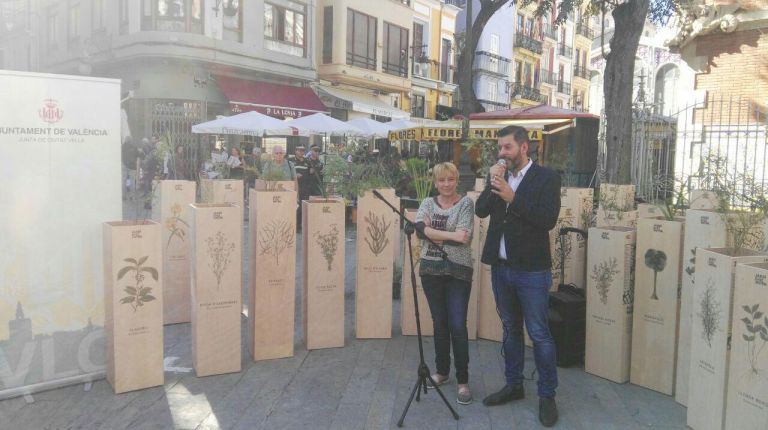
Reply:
x=447 y=219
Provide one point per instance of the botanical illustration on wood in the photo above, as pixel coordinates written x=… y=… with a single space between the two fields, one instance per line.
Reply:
x=328 y=243
x=710 y=313
x=137 y=294
x=603 y=275
x=563 y=246
x=176 y=225
x=655 y=260
x=219 y=250
x=628 y=297
x=757 y=328
x=376 y=231
x=275 y=238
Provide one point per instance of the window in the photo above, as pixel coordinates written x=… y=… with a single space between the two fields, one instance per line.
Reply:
x=395 y=50
x=97 y=13
x=73 y=23
x=419 y=47
x=124 y=12
x=578 y=57
x=361 y=40
x=327 y=34
x=528 y=75
x=185 y=16
x=417 y=106
x=285 y=26
x=493 y=89
x=232 y=19
x=529 y=27
x=518 y=71
x=520 y=23
x=52 y=29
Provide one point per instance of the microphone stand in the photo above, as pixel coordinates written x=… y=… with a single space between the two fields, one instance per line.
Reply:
x=423 y=374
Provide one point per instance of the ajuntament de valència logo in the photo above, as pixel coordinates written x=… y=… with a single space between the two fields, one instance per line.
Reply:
x=51 y=112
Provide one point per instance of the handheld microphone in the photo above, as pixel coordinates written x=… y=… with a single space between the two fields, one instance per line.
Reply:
x=502 y=162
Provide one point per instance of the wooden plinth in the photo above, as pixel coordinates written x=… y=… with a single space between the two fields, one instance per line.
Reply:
x=617 y=197
x=407 y=313
x=222 y=191
x=703 y=199
x=566 y=218
x=648 y=210
x=611 y=218
x=262 y=185
x=477 y=251
x=580 y=201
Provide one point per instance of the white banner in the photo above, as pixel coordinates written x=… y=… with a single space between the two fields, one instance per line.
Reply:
x=60 y=164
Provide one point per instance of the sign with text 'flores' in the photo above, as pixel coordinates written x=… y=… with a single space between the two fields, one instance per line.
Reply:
x=60 y=158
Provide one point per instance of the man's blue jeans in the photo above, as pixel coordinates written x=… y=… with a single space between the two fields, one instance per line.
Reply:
x=525 y=296
x=448 y=300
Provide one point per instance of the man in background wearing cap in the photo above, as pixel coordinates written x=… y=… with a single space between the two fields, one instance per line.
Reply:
x=314 y=172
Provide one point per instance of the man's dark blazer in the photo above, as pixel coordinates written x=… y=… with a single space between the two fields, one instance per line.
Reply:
x=525 y=223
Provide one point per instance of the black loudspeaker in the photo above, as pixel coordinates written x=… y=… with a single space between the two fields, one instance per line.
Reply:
x=567 y=323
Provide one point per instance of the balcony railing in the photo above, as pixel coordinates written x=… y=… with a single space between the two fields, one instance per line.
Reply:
x=580 y=72
x=397 y=69
x=423 y=68
x=526 y=92
x=361 y=61
x=527 y=42
x=491 y=63
x=548 y=77
x=583 y=29
x=549 y=31
x=564 y=87
x=565 y=50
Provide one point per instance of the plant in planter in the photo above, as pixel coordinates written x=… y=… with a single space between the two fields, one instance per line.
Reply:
x=272 y=178
x=420 y=175
x=655 y=260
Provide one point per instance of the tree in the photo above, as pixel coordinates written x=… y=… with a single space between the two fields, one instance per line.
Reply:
x=629 y=16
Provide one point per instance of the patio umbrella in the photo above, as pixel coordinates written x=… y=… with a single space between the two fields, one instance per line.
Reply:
x=249 y=123
x=319 y=123
x=371 y=127
x=400 y=124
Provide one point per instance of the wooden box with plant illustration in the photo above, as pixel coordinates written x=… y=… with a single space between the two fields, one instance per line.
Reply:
x=747 y=392
x=323 y=268
x=171 y=210
x=377 y=229
x=611 y=218
x=262 y=185
x=272 y=264
x=216 y=288
x=222 y=191
x=580 y=201
x=617 y=197
x=711 y=333
x=703 y=229
x=477 y=251
x=648 y=210
x=657 y=281
x=610 y=298
x=407 y=309
x=703 y=199
x=133 y=304
x=564 y=247
x=488 y=321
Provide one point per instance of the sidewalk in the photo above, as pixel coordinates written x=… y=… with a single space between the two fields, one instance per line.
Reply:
x=362 y=386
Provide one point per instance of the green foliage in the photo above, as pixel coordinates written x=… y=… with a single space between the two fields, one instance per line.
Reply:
x=421 y=177
x=487 y=150
x=354 y=179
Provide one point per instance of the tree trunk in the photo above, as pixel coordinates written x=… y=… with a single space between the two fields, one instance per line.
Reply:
x=467 y=55
x=618 y=86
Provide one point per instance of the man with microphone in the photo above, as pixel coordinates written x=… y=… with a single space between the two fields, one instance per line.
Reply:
x=523 y=200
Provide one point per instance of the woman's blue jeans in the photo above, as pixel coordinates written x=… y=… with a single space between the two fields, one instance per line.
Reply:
x=525 y=296
x=448 y=300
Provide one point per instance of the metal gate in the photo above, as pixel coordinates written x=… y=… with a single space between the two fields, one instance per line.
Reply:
x=721 y=134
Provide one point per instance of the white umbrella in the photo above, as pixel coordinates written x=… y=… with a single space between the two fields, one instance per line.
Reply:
x=323 y=124
x=400 y=124
x=249 y=123
x=371 y=127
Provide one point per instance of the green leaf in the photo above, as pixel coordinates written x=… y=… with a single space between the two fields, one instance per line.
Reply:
x=747 y=309
x=123 y=271
x=130 y=290
x=130 y=260
x=142 y=260
x=151 y=270
x=757 y=315
x=147 y=298
x=746 y=337
x=125 y=300
x=754 y=308
x=746 y=321
x=144 y=290
x=749 y=338
x=764 y=336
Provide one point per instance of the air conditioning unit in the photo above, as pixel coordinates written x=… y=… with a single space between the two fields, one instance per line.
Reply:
x=443 y=100
x=419 y=69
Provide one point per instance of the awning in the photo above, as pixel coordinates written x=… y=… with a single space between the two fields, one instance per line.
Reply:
x=279 y=101
x=451 y=130
x=359 y=102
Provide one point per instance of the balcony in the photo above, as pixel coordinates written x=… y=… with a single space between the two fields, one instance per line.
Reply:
x=548 y=77
x=564 y=87
x=527 y=42
x=427 y=69
x=397 y=69
x=580 y=72
x=549 y=31
x=565 y=50
x=491 y=63
x=526 y=92
x=583 y=29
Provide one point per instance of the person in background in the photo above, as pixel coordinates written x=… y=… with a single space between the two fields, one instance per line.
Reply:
x=523 y=201
x=314 y=172
x=448 y=218
x=178 y=165
x=130 y=156
x=235 y=163
x=278 y=163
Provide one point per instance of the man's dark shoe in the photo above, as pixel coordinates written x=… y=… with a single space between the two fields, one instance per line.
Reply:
x=547 y=411
x=506 y=394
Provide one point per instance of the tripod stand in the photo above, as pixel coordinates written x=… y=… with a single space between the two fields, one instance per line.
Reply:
x=423 y=374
